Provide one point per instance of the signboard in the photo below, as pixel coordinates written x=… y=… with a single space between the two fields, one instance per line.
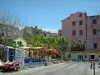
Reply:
x=19 y=56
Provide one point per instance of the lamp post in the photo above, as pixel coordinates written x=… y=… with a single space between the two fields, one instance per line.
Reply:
x=94 y=68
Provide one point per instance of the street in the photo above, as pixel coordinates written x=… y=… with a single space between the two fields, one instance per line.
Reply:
x=66 y=68
x=97 y=69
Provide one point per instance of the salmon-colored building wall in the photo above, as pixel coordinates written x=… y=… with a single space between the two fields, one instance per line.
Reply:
x=87 y=28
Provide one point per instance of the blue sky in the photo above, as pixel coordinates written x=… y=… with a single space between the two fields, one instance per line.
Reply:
x=47 y=14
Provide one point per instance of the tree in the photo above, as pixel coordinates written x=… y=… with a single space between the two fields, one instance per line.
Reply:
x=73 y=43
x=59 y=43
x=11 y=43
x=19 y=44
x=1 y=53
x=9 y=27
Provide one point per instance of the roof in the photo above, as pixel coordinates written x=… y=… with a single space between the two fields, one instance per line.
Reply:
x=71 y=15
x=53 y=34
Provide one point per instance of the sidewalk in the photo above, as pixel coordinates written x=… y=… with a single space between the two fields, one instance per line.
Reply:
x=89 y=71
x=97 y=69
x=25 y=72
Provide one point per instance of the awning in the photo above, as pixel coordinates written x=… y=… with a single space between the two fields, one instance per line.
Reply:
x=33 y=48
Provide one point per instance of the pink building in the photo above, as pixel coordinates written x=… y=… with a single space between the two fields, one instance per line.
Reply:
x=80 y=26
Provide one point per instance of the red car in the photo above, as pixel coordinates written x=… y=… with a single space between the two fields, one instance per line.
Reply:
x=1 y=65
x=11 y=66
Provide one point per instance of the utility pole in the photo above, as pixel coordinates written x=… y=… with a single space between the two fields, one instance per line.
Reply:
x=94 y=68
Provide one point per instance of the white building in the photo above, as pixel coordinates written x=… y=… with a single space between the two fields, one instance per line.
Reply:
x=83 y=55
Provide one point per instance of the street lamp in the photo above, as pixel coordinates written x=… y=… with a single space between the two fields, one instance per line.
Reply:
x=93 y=67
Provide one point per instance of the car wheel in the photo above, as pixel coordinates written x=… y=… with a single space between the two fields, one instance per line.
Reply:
x=15 y=69
x=18 y=68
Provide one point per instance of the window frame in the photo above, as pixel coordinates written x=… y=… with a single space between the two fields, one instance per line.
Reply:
x=80 y=22
x=69 y=55
x=73 y=32
x=80 y=33
x=95 y=45
x=80 y=14
x=94 y=31
x=94 y=21
x=73 y=23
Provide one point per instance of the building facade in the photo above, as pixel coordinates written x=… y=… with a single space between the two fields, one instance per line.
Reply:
x=30 y=31
x=83 y=55
x=80 y=26
x=59 y=32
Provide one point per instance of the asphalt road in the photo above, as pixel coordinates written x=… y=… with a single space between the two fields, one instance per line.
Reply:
x=67 y=68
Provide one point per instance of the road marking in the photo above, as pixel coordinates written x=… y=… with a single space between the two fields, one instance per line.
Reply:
x=72 y=66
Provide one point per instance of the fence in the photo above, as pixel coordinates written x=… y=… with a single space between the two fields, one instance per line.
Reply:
x=78 y=48
x=29 y=63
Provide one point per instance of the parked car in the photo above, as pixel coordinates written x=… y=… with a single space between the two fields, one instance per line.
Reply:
x=11 y=66
x=1 y=65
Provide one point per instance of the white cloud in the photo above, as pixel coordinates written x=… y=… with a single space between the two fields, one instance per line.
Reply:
x=51 y=30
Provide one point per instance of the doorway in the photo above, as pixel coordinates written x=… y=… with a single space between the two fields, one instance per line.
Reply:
x=92 y=57
x=80 y=57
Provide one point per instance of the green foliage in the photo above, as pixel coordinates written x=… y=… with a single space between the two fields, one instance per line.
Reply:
x=59 y=43
x=19 y=44
x=1 y=53
x=10 y=42
x=73 y=43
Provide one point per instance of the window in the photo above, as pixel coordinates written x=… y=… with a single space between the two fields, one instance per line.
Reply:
x=92 y=57
x=80 y=22
x=94 y=31
x=94 y=21
x=73 y=23
x=29 y=54
x=95 y=45
x=11 y=58
x=85 y=56
x=11 y=53
x=69 y=55
x=98 y=31
x=19 y=43
x=73 y=32
x=81 y=32
x=79 y=57
x=80 y=15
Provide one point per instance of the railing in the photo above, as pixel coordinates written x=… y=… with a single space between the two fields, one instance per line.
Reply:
x=78 y=48
x=34 y=63
x=28 y=63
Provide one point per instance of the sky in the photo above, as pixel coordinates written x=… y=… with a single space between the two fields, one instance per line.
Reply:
x=47 y=14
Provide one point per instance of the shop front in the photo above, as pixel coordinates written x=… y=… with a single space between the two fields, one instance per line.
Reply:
x=83 y=55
